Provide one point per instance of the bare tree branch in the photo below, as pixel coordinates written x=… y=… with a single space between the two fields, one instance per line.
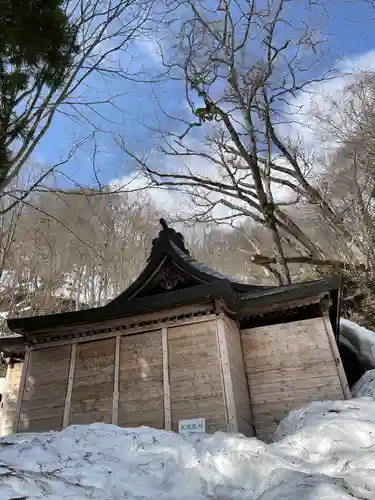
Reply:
x=106 y=29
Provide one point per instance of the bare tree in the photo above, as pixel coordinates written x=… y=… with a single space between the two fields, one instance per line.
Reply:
x=105 y=29
x=75 y=250
x=242 y=66
x=8 y=234
x=72 y=251
x=348 y=180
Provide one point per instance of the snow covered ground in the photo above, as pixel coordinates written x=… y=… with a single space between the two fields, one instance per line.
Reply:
x=324 y=451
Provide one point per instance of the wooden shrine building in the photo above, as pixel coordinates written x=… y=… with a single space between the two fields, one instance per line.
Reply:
x=183 y=341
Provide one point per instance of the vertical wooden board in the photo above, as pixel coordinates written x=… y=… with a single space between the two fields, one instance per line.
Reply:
x=336 y=355
x=239 y=381
x=43 y=398
x=141 y=398
x=288 y=366
x=22 y=385
x=116 y=381
x=13 y=378
x=195 y=375
x=226 y=374
x=166 y=384
x=69 y=389
x=92 y=393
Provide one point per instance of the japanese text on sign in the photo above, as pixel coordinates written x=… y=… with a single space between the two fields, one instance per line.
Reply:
x=192 y=426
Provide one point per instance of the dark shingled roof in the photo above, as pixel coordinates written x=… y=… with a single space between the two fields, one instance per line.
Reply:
x=169 y=252
x=171 y=278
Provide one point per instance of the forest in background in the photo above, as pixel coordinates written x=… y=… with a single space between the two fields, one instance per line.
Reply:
x=82 y=248
x=270 y=178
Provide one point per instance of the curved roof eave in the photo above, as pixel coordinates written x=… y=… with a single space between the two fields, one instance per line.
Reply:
x=166 y=250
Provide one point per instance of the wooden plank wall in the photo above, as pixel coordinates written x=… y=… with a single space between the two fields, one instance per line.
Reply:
x=43 y=397
x=196 y=384
x=242 y=404
x=141 y=397
x=147 y=378
x=9 y=402
x=160 y=377
x=288 y=366
x=92 y=392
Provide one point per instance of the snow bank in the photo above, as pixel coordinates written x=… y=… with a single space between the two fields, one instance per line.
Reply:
x=361 y=341
x=365 y=387
x=325 y=452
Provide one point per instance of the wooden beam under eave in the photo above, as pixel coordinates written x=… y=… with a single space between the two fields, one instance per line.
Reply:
x=142 y=323
x=279 y=307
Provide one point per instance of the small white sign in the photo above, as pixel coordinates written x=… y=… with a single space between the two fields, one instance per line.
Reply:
x=192 y=426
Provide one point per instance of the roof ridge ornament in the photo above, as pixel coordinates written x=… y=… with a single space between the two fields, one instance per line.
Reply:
x=168 y=234
x=163 y=223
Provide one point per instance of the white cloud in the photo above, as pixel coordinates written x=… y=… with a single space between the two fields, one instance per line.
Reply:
x=189 y=200
x=178 y=203
x=316 y=101
x=149 y=48
x=136 y=184
x=304 y=126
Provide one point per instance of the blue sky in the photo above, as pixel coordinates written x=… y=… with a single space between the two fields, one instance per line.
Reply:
x=350 y=33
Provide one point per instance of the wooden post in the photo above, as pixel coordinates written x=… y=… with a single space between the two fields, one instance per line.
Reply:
x=4 y=399
x=116 y=381
x=232 y=326
x=22 y=388
x=69 y=388
x=227 y=378
x=166 y=384
x=336 y=353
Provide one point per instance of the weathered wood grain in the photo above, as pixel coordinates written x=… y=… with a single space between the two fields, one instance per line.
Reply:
x=22 y=387
x=116 y=381
x=195 y=375
x=166 y=384
x=290 y=385
x=141 y=398
x=43 y=399
x=288 y=366
x=69 y=388
x=226 y=375
x=307 y=371
x=336 y=355
x=92 y=393
x=241 y=396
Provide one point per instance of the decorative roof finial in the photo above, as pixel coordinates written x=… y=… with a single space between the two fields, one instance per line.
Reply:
x=163 y=223
x=169 y=234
